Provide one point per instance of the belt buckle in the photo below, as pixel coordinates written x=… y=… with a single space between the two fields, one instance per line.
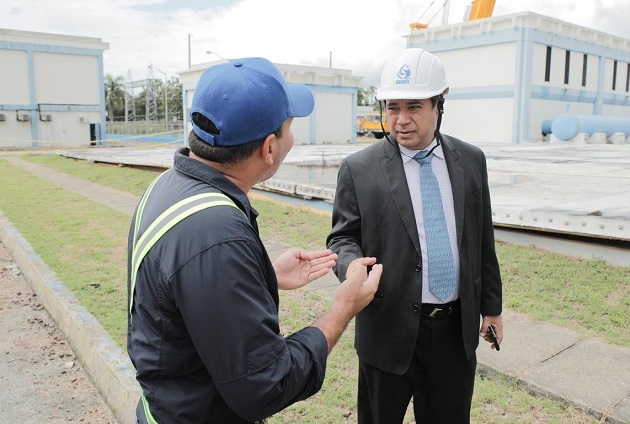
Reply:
x=435 y=311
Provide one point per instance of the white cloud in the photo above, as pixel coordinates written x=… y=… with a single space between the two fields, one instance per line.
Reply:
x=361 y=34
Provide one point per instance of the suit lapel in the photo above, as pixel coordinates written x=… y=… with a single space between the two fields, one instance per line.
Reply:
x=396 y=180
x=456 y=173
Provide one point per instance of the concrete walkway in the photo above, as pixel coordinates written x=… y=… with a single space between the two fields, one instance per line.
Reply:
x=551 y=360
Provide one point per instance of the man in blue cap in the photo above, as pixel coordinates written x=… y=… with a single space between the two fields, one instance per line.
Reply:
x=203 y=331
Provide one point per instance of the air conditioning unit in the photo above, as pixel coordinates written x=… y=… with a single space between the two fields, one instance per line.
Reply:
x=45 y=118
x=23 y=117
x=2 y=117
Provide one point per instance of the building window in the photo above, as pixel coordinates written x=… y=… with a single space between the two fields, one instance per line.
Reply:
x=584 y=65
x=628 y=78
x=567 y=64
x=614 y=84
x=548 y=64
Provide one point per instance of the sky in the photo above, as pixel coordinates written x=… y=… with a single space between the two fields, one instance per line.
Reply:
x=359 y=35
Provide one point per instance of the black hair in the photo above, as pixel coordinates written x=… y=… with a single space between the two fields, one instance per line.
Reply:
x=434 y=100
x=221 y=154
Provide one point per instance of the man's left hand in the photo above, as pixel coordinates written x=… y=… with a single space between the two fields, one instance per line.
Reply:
x=497 y=323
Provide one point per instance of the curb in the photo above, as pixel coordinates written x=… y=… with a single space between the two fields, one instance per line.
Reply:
x=107 y=365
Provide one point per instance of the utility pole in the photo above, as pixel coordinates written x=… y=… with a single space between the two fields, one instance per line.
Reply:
x=330 y=60
x=188 y=51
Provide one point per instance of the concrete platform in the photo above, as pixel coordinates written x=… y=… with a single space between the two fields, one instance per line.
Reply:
x=560 y=188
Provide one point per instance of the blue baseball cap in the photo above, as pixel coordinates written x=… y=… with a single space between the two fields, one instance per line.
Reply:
x=247 y=99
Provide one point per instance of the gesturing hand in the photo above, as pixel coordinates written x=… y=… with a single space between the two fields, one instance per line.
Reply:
x=296 y=267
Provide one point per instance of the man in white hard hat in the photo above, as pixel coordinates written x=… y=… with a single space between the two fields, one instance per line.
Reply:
x=203 y=328
x=418 y=201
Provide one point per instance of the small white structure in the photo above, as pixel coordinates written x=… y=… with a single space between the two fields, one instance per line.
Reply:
x=509 y=74
x=332 y=122
x=51 y=90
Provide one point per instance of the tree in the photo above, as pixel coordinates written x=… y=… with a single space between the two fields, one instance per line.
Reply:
x=361 y=97
x=175 y=102
x=175 y=99
x=114 y=96
x=371 y=95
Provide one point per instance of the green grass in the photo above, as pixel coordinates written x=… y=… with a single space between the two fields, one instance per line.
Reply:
x=85 y=244
x=588 y=296
x=82 y=241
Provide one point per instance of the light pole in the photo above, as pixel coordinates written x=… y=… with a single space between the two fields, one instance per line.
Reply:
x=188 y=51
x=165 y=94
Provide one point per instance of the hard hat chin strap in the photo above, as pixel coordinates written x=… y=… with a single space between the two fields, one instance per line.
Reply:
x=440 y=107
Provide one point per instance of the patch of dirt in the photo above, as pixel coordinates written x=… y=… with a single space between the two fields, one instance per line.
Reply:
x=41 y=378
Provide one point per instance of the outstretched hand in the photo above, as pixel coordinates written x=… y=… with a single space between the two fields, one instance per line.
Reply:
x=358 y=290
x=296 y=268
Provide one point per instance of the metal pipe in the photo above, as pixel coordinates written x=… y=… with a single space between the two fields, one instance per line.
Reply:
x=567 y=126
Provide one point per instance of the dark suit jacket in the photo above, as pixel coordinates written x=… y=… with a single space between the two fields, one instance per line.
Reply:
x=373 y=216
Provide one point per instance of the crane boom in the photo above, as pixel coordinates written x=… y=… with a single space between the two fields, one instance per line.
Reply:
x=481 y=9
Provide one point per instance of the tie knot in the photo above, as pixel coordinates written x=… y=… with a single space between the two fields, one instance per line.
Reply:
x=422 y=158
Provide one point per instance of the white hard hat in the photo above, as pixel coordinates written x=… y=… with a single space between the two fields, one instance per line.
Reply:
x=412 y=74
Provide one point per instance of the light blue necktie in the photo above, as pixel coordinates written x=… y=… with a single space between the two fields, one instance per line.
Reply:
x=439 y=253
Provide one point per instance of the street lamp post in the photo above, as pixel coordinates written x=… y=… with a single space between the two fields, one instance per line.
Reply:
x=216 y=54
x=188 y=51
x=165 y=94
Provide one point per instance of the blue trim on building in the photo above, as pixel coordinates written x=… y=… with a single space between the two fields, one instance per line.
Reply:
x=523 y=93
x=542 y=92
x=31 y=96
x=102 y=128
x=68 y=108
x=599 y=101
x=33 y=47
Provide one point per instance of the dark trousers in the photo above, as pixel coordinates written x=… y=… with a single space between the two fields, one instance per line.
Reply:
x=440 y=379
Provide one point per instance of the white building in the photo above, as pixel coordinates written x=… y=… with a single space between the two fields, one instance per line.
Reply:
x=332 y=122
x=511 y=74
x=51 y=90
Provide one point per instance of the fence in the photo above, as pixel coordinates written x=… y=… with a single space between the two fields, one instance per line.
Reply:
x=145 y=127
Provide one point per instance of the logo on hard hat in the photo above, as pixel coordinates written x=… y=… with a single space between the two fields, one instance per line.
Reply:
x=403 y=75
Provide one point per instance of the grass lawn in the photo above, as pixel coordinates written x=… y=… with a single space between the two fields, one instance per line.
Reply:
x=84 y=242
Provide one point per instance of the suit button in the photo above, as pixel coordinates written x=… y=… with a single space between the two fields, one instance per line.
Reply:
x=418 y=268
x=415 y=307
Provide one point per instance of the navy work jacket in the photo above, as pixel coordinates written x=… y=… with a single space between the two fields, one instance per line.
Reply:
x=204 y=335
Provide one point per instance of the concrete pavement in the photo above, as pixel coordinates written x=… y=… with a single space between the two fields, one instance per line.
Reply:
x=551 y=360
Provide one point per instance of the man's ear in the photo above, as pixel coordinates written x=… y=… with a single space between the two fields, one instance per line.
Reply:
x=268 y=149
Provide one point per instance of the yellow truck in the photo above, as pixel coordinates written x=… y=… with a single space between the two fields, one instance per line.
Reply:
x=369 y=125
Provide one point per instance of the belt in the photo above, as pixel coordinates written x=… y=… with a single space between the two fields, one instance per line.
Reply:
x=439 y=310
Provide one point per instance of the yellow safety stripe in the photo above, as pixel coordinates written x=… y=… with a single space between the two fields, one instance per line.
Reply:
x=142 y=204
x=167 y=220
x=147 y=411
